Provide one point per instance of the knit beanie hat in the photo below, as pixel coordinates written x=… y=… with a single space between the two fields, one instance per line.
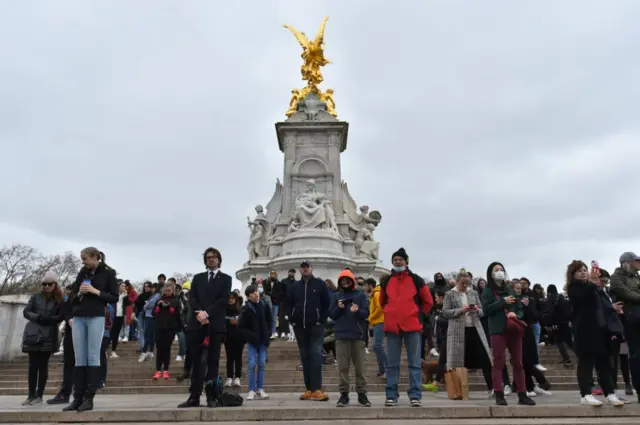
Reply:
x=402 y=254
x=50 y=277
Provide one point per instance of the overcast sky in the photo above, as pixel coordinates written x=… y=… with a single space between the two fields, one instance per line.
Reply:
x=482 y=131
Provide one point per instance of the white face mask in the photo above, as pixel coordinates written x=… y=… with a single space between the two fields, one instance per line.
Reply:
x=399 y=268
x=499 y=275
x=260 y=289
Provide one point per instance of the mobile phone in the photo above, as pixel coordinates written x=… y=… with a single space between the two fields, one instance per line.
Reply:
x=595 y=266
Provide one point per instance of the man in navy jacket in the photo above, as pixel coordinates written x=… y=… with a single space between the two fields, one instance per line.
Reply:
x=307 y=310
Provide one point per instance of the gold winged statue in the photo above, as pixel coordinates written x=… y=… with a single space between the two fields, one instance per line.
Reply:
x=314 y=60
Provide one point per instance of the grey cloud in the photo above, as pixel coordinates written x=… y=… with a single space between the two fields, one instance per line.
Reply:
x=150 y=124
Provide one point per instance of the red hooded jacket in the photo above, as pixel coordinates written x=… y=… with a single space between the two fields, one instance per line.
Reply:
x=401 y=311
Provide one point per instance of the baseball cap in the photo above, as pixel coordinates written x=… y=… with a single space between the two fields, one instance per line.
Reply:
x=305 y=263
x=628 y=256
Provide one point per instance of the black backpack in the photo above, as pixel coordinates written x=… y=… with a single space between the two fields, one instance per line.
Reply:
x=224 y=399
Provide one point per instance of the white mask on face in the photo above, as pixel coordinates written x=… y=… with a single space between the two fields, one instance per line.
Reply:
x=498 y=275
x=260 y=289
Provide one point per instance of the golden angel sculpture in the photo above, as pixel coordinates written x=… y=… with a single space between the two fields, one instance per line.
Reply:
x=314 y=60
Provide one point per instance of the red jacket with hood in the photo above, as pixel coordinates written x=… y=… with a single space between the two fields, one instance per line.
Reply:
x=401 y=311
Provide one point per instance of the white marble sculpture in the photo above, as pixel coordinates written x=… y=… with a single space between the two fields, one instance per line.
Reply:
x=361 y=225
x=313 y=210
x=263 y=226
x=365 y=244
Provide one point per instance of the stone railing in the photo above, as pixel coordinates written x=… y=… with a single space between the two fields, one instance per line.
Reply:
x=12 y=324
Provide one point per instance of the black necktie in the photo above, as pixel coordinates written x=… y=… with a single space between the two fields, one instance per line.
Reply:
x=211 y=274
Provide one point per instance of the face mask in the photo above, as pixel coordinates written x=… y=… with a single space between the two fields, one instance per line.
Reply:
x=260 y=289
x=499 y=275
x=399 y=269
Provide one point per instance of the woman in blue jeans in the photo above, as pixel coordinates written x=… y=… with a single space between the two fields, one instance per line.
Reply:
x=94 y=288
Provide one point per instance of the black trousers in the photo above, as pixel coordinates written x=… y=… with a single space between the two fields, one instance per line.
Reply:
x=164 y=340
x=38 y=372
x=619 y=361
x=69 y=363
x=562 y=336
x=529 y=362
x=283 y=324
x=104 y=362
x=206 y=360
x=188 y=355
x=234 y=347
x=601 y=361
x=116 y=327
x=632 y=334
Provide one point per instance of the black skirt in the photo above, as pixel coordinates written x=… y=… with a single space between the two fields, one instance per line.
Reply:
x=475 y=356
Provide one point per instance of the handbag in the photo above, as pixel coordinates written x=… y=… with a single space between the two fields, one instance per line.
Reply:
x=32 y=335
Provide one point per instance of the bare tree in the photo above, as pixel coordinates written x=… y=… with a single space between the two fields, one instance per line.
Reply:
x=182 y=277
x=18 y=263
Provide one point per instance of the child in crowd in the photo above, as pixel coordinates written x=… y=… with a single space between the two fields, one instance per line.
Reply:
x=349 y=309
x=109 y=317
x=167 y=313
x=233 y=343
x=254 y=325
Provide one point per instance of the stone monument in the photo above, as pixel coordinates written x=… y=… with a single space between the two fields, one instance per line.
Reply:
x=311 y=215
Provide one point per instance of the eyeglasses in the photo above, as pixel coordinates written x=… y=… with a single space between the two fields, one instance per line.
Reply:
x=210 y=257
x=48 y=283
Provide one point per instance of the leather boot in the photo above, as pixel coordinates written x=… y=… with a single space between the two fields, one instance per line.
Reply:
x=500 y=400
x=79 y=386
x=94 y=377
x=524 y=400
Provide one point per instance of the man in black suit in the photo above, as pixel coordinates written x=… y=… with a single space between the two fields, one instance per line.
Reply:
x=208 y=299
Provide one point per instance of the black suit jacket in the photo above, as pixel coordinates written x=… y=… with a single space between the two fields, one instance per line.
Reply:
x=210 y=297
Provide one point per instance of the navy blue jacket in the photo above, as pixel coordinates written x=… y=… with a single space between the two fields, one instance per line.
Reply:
x=308 y=302
x=348 y=325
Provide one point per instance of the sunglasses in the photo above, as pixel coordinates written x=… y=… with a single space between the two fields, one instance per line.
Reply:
x=48 y=284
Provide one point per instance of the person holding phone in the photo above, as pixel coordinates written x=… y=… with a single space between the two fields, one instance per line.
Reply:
x=506 y=331
x=467 y=344
x=94 y=288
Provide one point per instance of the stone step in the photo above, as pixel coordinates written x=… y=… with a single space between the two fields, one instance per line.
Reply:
x=286 y=407
x=488 y=421
x=172 y=387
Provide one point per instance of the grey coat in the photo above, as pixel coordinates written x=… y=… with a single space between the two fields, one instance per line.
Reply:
x=451 y=310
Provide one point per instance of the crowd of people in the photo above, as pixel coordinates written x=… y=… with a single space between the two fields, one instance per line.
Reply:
x=460 y=322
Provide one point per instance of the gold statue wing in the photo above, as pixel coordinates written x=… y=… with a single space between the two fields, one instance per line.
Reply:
x=320 y=36
x=302 y=39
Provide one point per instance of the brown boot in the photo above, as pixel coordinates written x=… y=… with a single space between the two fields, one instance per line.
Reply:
x=305 y=395
x=319 y=396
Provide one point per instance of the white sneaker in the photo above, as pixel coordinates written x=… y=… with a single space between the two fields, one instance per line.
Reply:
x=236 y=382
x=541 y=368
x=613 y=400
x=590 y=400
x=262 y=395
x=178 y=358
x=284 y=335
x=507 y=390
x=531 y=394
x=540 y=391
x=491 y=394
x=251 y=395
x=58 y=353
x=228 y=382
x=151 y=355
x=114 y=355
x=125 y=339
x=366 y=350
x=542 y=344
x=274 y=335
x=142 y=357
x=434 y=353
x=175 y=338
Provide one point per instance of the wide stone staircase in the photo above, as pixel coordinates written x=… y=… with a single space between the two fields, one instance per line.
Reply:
x=128 y=376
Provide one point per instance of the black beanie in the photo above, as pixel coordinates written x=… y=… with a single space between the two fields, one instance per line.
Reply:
x=401 y=253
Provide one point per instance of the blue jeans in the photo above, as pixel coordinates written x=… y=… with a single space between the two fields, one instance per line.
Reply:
x=87 y=338
x=536 y=332
x=141 y=329
x=182 y=345
x=412 y=341
x=149 y=334
x=310 y=339
x=378 y=347
x=275 y=310
x=256 y=357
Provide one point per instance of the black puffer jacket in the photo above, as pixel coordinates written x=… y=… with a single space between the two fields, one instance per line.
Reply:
x=104 y=280
x=46 y=315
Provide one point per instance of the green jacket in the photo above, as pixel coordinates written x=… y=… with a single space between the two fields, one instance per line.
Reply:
x=625 y=287
x=494 y=309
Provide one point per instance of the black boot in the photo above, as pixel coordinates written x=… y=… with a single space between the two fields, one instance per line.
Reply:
x=500 y=401
x=79 y=385
x=94 y=378
x=524 y=400
x=212 y=401
x=60 y=398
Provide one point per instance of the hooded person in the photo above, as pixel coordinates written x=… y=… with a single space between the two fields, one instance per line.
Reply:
x=349 y=309
x=506 y=330
x=439 y=283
